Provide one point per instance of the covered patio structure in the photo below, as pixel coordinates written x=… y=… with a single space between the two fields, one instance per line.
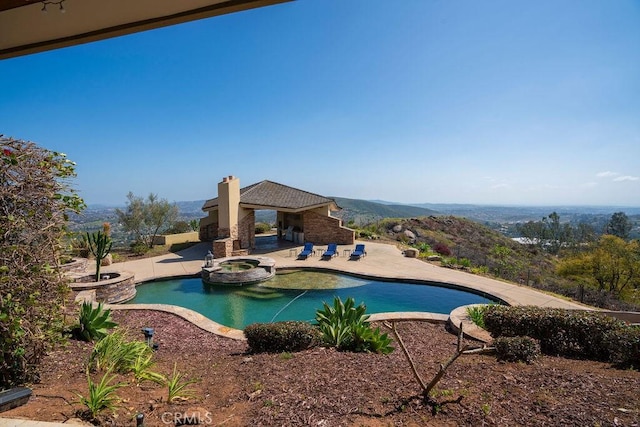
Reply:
x=301 y=217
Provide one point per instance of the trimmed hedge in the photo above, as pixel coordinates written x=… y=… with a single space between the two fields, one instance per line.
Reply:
x=517 y=349
x=571 y=333
x=281 y=336
x=624 y=345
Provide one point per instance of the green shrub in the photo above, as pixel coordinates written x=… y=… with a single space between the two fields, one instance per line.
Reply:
x=366 y=339
x=93 y=323
x=572 y=333
x=262 y=228
x=624 y=345
x=480 y=270
x=115 y=352
x=139 y=248
x=281 y=336
x=345 y=327
x=517 y=349
x=424 y=248
x=367 y=234
x=465 y=262
x=179 y=227
x=35 y=202
x=476 y=314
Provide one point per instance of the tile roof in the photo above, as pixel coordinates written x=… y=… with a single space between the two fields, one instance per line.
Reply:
x=271 y=195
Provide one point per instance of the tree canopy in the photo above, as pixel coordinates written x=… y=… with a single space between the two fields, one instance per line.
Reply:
x=612 y=265
x=619 y=225
x=146 y=218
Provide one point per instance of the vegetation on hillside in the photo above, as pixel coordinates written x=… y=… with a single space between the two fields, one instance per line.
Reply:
x=464 y=244
x=360 y=212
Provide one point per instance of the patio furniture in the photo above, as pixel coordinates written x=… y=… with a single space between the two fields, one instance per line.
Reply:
x=332 y=250
x=306 y=251
x=358 y=252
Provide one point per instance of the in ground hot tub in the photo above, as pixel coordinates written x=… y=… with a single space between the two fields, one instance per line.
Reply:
x=237 y=271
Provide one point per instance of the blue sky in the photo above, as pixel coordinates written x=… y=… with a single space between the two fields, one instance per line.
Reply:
x=442 y=101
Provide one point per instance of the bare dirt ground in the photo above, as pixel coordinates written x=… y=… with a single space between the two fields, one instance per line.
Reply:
x=324 y=387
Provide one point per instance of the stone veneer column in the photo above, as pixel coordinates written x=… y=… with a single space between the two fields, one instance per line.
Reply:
x=228 y=207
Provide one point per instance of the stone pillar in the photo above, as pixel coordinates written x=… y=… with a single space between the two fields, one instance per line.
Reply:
x=228 y=206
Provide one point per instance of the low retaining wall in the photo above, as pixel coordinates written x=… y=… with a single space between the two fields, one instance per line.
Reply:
x=172 y=239
x=110 y=291
x=77 y=265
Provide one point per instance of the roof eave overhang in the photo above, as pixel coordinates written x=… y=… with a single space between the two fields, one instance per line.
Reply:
x=76 y=31
x=285 y=209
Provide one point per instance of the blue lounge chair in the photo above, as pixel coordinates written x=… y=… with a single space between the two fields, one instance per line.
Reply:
x=332 y=250
x=306 y=251
x=358 y=252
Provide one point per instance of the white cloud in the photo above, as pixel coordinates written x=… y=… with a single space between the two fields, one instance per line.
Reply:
x=626 y=178
x=606 y=174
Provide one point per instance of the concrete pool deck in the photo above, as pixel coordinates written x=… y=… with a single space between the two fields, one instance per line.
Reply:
x=382 y=260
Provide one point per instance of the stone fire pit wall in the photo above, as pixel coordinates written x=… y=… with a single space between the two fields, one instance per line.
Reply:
x=114 y=290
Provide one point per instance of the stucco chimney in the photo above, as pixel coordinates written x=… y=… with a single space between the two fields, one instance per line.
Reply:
x=228 y=207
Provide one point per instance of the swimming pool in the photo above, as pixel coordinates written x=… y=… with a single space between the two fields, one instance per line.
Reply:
x=297 y=295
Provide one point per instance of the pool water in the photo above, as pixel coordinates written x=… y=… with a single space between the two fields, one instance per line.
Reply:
x=297 y=295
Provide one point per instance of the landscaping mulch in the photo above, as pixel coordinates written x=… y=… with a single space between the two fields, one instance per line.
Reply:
x=325 y=387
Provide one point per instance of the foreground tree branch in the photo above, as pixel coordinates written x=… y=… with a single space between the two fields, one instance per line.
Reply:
x=426 y=388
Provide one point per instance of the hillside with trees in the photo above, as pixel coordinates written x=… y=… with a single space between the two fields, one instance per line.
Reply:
x=460 y=243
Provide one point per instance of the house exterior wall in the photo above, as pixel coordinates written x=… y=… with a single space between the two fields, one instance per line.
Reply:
x=321 y=230
x=247 y=229
x=209 y=227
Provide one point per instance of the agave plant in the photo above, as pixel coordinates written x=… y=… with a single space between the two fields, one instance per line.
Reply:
x=93 y=322
x=337 y=322
x=345 y=327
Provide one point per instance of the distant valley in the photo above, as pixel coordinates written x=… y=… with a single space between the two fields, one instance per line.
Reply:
x=361 y=212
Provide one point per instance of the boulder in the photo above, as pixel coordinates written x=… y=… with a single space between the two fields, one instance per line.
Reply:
x=397 y=228
x=108 y=260
x=411 y=253
x=410 y=234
